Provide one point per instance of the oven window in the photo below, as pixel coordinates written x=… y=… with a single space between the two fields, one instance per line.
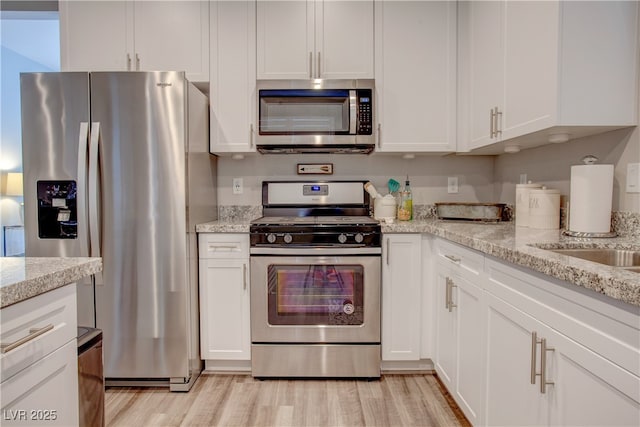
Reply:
x=316 y=294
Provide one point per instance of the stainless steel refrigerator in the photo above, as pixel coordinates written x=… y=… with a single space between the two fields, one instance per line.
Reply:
x=117 y=165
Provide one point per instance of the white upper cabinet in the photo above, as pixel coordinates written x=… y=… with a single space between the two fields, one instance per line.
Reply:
x=415 y=67
x=532 y=72
x=135 y=35
x=315 y=39
x=233 y=76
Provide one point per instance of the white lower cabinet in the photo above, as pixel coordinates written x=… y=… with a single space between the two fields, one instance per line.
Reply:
x=224 y=297
x=46 y=393
x=580 y=387
x=590 y=362
x=503 y=331
x=401 y=296
x=459 y=359
x=39 y=361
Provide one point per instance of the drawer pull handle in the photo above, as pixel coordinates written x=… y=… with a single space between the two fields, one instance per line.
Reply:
x=453 y=258
x=33 y=333
x=215 y=248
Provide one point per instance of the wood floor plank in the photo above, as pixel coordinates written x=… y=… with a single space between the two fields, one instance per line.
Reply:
x=240 y=400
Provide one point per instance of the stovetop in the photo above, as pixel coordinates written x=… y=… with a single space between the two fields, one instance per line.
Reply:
x=315 y=220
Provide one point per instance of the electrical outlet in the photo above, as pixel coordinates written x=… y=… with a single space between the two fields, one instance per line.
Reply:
x=452 y=184
x=523 y=178
x=237 y=186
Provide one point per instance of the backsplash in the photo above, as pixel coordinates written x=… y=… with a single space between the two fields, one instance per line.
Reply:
x=626 y=224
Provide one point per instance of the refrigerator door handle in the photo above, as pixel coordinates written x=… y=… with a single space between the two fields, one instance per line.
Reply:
x=94 y=220
x=83 y=230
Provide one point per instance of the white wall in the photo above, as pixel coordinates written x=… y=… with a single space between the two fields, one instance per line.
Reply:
x=428 y=175
x=551 y=165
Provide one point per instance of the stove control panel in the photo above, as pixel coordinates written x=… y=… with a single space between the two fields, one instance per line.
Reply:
x=274 y=238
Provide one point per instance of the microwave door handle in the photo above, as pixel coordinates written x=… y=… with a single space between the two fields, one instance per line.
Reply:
x=94 y=217
x=353 y=109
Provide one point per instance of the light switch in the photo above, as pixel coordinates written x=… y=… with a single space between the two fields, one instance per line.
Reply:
x=633 y=178
x=452 y=184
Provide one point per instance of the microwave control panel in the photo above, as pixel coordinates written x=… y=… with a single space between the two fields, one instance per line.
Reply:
x=365 y=118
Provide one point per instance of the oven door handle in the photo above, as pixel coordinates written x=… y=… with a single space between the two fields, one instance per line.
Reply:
x=323 y=251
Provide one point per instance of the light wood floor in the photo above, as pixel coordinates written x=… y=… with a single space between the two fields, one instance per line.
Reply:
x=240 y=400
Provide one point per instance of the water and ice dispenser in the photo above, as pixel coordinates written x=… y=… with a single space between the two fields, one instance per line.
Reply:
x=57 y=210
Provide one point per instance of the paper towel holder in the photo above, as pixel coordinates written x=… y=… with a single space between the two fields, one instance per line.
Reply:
x=587 y=234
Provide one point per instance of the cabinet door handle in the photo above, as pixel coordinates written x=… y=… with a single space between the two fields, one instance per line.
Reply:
x=244 y=277
x=251 y=134
x=379 y=134
x=534 y=347
x=387 y=251
x=310 y=65
x=498 y=123
x=451 y=304
x=446 y=293
x=128 y=62
x=491 y=124
x=137 y=62
x=318 y=76
x=33 y=333
x=543 y=365
x=453 y=258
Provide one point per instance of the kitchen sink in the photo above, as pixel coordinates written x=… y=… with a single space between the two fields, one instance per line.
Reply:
x=612 y=257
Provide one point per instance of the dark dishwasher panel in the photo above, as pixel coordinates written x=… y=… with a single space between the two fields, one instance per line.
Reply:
x=90 y=377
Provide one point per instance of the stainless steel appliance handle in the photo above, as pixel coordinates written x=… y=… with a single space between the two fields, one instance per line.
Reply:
x=322 y=251
x=83 y=140
x=353 y=110
x=310 y=65
x=33 y=333
x=94 y=217
x=543 y=365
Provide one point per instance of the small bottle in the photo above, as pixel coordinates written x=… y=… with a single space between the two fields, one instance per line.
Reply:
x=405 y=207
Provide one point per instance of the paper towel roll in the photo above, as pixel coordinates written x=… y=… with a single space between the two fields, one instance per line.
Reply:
x=591 y=198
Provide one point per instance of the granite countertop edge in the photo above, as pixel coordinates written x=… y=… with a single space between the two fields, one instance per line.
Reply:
x=40 y=275
x=518 y=246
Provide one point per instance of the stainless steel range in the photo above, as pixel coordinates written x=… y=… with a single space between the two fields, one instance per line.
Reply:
x=315 y=282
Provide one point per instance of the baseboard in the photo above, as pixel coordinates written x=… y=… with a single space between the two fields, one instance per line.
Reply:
x=424 y=366
x=227 y=366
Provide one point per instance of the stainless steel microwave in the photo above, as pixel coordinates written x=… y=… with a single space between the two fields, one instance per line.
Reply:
x=315 y=116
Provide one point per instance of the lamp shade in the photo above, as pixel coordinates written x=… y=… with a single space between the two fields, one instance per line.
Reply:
x=14 y=184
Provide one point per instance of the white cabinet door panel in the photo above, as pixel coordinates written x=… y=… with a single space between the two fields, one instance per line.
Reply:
x=173 y=35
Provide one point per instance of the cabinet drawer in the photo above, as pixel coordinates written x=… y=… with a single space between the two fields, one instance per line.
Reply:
x=223 y=245
x=465 y=258
x=46 y=323
x=44 y=394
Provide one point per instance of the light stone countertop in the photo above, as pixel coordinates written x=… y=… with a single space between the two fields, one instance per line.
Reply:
x=23 y=278
x=514 y=244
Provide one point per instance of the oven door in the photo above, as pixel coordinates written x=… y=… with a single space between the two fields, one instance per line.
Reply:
x=315 y=298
